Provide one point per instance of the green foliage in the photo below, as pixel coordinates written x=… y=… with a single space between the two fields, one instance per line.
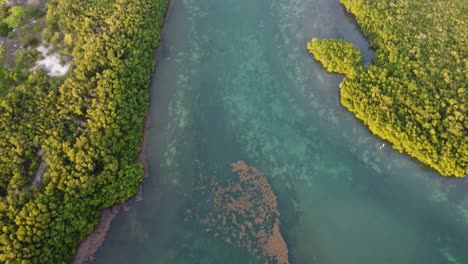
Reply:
x=414 y=94
x=15 y=17
x=3 y=79
x=336 y=55
x=23 y=61
x=28 y=39
x=4 y=29
x=36 y=12
x=25 y=58
x=2 y=51
x=87 y=128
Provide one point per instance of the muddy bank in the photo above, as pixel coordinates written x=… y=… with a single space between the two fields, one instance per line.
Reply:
x=88 y=247
x=142 y=155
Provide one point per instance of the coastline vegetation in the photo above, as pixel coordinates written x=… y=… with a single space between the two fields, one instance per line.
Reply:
x=85 y=126
x=414 y=93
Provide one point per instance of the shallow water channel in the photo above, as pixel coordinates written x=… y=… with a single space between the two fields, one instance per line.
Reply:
x=233 y=81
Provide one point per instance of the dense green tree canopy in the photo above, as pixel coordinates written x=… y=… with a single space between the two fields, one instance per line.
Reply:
x=16 y=16
x=337 y=56
x=414 y=93
x=86 y=127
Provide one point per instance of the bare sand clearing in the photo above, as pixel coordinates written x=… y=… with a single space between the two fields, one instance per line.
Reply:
x=51 y=62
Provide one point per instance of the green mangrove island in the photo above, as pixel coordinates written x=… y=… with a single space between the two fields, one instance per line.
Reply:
x=414 y=92
x=69 y=140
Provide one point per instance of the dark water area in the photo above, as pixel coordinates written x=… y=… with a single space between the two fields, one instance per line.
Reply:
x=233 y=81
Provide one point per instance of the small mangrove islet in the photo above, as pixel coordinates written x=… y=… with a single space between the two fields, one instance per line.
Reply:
x=414 y=92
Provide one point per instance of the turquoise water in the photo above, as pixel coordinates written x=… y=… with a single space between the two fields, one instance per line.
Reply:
x=233 y=81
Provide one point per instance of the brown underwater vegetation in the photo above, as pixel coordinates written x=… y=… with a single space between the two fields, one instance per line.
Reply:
x=244 y=212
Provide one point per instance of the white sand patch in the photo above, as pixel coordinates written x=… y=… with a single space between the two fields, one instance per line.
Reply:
x=39 y=173
x=51 y=62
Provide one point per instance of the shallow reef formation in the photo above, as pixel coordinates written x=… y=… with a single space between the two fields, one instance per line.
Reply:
x=244 y=212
